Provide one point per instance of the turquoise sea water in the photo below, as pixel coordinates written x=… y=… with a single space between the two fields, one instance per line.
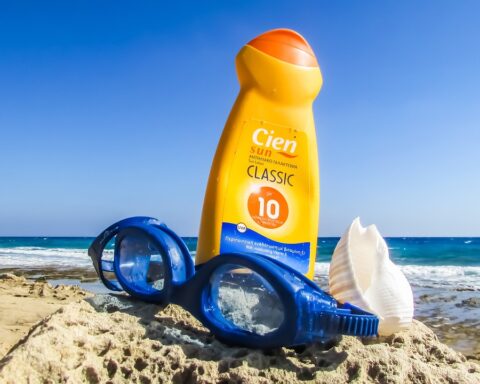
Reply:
x=425 y=261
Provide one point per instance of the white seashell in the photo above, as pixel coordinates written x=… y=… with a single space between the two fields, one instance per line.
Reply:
x=362 y=274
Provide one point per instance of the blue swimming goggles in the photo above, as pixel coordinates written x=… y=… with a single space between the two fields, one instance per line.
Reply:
x=244 y=299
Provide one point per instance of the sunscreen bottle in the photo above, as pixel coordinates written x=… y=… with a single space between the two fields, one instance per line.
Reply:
x=263 y=191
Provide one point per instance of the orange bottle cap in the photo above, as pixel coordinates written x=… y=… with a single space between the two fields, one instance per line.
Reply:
x=286 y=45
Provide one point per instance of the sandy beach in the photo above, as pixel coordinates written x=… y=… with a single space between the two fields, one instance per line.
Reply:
x=65 y=334
x=24 y=303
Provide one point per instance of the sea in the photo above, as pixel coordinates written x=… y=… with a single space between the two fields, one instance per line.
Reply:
x=444 y=273
x=426 y=261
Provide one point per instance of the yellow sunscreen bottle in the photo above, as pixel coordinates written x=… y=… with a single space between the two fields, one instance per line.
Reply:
x=263 y=190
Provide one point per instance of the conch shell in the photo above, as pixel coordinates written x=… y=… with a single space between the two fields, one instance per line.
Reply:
x=362 y=274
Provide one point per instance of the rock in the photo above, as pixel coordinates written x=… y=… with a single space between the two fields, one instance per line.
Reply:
x=145 y=343
x=471 y=302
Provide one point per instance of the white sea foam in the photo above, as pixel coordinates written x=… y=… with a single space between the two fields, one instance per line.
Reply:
x=37 y=257
x=429 y=275
x=321 y=269
x=444 y=275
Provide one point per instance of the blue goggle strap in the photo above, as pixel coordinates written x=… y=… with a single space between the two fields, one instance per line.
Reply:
x=320 y=322
x=357 y=322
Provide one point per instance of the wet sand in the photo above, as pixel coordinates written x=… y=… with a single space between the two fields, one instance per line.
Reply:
x=455 y=318
x=80 y=274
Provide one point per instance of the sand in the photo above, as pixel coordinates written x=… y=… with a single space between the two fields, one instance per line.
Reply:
x=23 y=303
x=108 y=338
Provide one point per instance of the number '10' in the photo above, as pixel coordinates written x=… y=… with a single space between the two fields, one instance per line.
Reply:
x=273 y=208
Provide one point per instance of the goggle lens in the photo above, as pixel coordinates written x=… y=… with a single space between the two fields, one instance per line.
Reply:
x=141 y=264
x=106 y=265
x=246 y=300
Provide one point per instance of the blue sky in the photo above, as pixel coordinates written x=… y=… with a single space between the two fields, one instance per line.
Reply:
x=114 y=108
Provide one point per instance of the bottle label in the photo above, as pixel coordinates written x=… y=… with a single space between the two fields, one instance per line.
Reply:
x=246 y=240
x=267 y=201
